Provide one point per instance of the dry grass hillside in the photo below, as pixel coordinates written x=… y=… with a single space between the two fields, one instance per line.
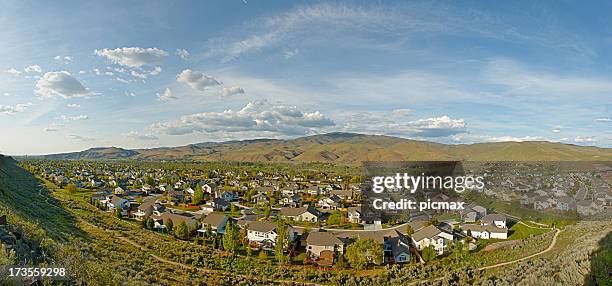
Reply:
x=350 y=148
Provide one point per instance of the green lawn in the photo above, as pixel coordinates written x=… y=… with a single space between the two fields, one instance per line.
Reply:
x=520 y=231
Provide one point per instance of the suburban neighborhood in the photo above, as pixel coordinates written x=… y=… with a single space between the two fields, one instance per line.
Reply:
x=310 y=218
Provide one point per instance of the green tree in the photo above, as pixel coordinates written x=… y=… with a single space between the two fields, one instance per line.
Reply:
x=230 y=237
x=428 y=253
x=458 y=250
x=263 y=255
x=340 y=262
x=169 y=225
x=144 y=223
x=182 y=231
x=243 y=235
x=363 y=252
x=409 y=231
x=267 y=212
x=282 y=240
x=150 y=223
x=72 y=188
x=6 y=258
x=209 y=231
x=118 y=212
x=335 y=218
x=198 y=196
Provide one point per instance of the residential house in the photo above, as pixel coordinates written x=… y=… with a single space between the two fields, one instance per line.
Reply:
x=216 y=222
x=161 y=220
x=472 y=213
x=566 y=204
x=499 y=220
x=343 y=194
x=176 y=196
x=260 y=199
x=114 y=202
x=396 y=246
x=330 y=203
x=264 y=233
x=484 y=231
x=313 y=190
x=229 y=196
x=145 y=209
x=541 y=203
x=527 y=199
x=354 y=214
x=587 y=207
x=291 y=201
x=216 y=204
x=431 y=235
x=119 y=191
x=318 y=243
x=190 y=192
x=305 y=213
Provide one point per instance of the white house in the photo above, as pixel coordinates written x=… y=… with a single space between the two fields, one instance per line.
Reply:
x=432 y=235
x=499 y=220
x=305 y=213
x=354 y=214
x=484 y=231
x=265 y=233
x=113 y=202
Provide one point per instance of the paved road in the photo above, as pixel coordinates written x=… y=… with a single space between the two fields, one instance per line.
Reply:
x=358 y=230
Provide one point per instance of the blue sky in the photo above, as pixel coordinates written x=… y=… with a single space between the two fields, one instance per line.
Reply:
x=77 y=74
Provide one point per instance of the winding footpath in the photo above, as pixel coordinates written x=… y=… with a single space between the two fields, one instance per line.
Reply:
x=549 y=248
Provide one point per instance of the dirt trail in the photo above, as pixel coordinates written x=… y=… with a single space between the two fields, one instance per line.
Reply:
x=550 y=247
x=191 y=267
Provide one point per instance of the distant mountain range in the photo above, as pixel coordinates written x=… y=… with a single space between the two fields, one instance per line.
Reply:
x=350 y=148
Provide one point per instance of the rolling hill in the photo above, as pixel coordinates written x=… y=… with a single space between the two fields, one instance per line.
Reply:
x=350 y=148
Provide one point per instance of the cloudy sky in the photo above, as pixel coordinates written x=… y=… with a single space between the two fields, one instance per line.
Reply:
x=74 y=75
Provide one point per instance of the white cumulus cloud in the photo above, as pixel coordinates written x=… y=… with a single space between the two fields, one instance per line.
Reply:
x=33 y=69
x=137 y=136
x=166 y=96
x=260 y=116
x=401 y=112
x=229 y=91
x=60 y=84
x=377 y=123
x=585 y=139
x=80 y=138
x=12 y=109
x=133 y=57
x=197 y=80
x=13 y=71
x=74 y=118
x=182 y=53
